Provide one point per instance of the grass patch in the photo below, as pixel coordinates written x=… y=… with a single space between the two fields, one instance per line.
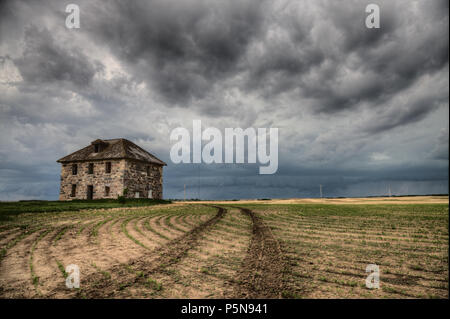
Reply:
x=10 y=210
x=157 y=286
x=105 y=274
x=62 y=269
x=61 y=233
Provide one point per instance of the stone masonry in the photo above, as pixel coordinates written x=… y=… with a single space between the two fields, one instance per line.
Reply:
x=106 y=170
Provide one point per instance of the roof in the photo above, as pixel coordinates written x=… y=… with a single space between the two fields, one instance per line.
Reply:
x=119 y=148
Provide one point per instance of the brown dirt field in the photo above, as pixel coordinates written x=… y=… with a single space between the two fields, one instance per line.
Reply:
x=329 y=251
x=337 y=201
x=299 y=248
x=146 y=265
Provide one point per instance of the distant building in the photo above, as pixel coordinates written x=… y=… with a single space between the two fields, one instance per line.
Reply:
x=105 y=168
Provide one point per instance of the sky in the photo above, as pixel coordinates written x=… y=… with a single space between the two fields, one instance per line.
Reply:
x=358 y=110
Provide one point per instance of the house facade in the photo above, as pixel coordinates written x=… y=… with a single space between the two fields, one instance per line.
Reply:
x=105 y=168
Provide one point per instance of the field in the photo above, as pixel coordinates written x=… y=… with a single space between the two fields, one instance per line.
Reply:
x=234 y=249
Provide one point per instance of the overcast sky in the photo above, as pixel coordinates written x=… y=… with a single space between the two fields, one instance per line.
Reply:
x=357 y=109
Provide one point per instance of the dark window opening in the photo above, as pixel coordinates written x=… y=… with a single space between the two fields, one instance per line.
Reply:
x=96 y=148
x=90 y=192
x=74 y=190
x=106 y=190
x=108 y=167
x=74 y=169
x=91 y=168
x=148 y=170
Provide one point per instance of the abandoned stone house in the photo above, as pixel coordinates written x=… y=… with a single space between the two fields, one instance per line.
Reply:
x=106 y=168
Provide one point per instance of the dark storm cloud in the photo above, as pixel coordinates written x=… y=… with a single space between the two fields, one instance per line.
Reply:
x=389 y=59
x=404 y=115
x=239 y=181
x=180 y=48
x=184 y=49
x=440 y=151
x=357 y=108
x=45 y=61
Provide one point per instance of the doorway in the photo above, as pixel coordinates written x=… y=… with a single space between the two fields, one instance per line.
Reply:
x=90 y=191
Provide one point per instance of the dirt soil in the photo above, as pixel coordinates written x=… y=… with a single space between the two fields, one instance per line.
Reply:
x=262 y=271
x=358 y=201
x=145 y=266
x=257 y=250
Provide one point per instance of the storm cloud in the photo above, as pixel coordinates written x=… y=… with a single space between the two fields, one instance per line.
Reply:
x=357 y=109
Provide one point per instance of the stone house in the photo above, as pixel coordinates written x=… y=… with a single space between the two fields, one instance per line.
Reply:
x=105 y=168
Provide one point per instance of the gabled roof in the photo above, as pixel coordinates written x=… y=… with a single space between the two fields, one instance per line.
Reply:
x=112 y=149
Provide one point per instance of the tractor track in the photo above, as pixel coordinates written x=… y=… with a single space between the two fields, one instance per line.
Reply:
x=263 y=268
x=96 y=286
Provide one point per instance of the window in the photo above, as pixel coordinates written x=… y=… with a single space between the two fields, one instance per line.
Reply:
x=74 y=190
x=74 y=169
x=150 y=193
x=96 y=148
x=108 y=167
x=148 y=170
x=91 y=168
x=106 y=190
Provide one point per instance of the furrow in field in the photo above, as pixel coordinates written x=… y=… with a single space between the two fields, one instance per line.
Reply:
x=130 y=233
x=159 y=225
x=139 y=270
x=328 y=261
x=44 y=270
x=148 y=238
x=10 y=237
x=6 y=234
x=151 y=228
x=180 y=223
x=210 y=269
x=314 y=229
x=14 y=270
x=349 y=241
x=169 y=223
x=372 y=229
x=86 y=250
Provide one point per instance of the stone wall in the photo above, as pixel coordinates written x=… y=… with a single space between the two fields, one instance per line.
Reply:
x=124 y=174
x=138 y=180
x=99 y=180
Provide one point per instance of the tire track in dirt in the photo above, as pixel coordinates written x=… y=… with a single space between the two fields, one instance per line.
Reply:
x=263 y=269
x=154 y=261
